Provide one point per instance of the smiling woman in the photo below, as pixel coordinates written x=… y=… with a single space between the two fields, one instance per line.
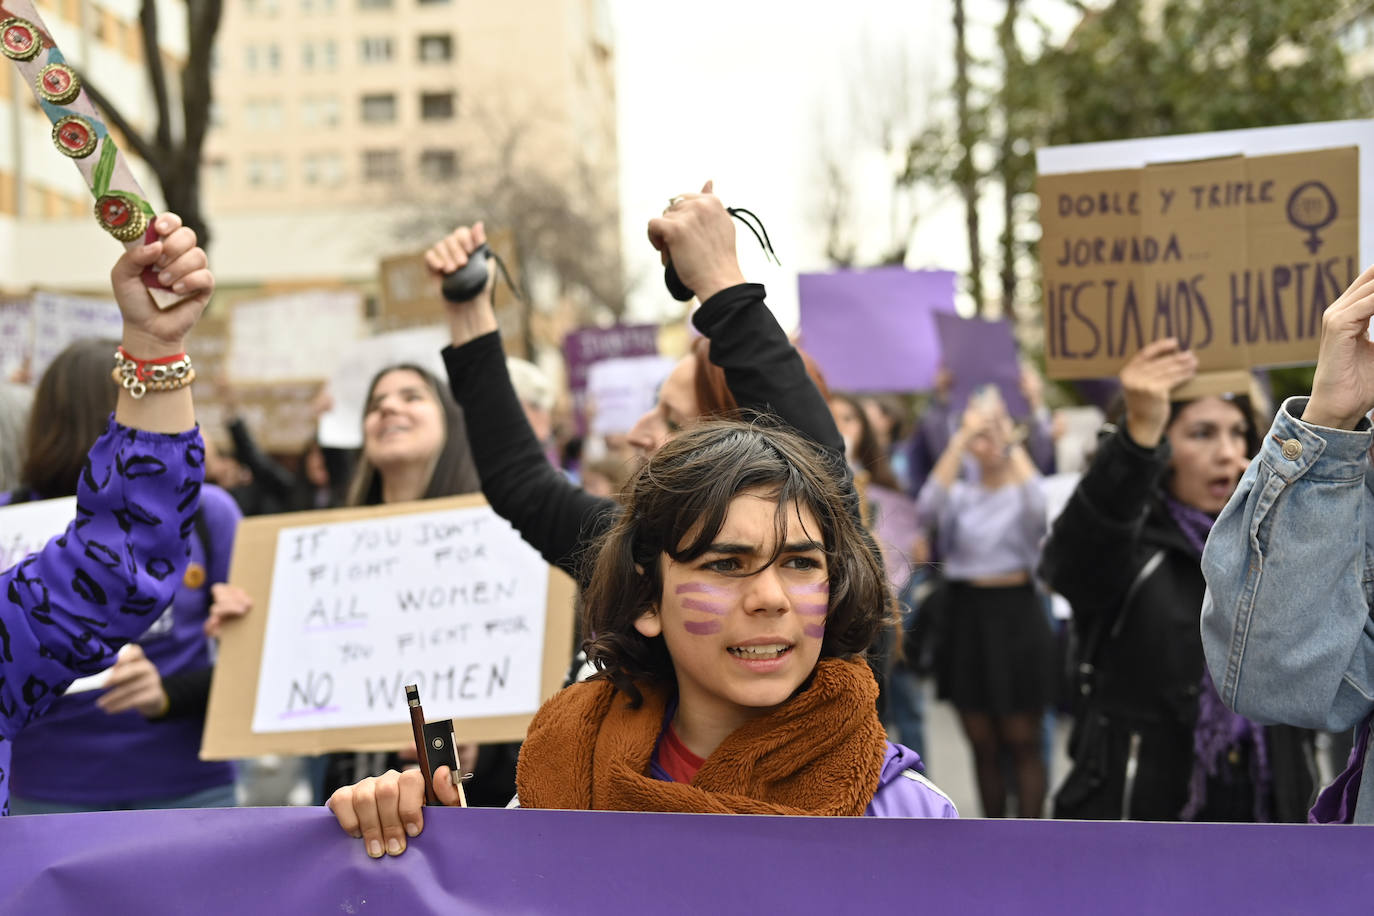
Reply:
x=415 y=446
x=415 y=442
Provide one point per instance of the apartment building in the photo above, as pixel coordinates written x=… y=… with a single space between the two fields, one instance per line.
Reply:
x=328 y=103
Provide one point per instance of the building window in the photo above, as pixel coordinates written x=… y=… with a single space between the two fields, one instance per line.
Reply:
x=381 y=165
x=436 y=106
x=250 y=58
x=320 y=111
x=379 y=109
x=217 y=173
x=439 y=165
x=273 y=58
x=323 y=169
x=323 y=55
x=434 y=2
x=374 y=4
x=378 y=50
x=262 y=114
x=436 y=48
x=266 y=171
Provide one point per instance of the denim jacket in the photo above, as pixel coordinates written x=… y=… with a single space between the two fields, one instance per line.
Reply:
x=1286 y=623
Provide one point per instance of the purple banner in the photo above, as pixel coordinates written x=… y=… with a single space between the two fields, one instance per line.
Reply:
x=585 y=346
x=979 y=353
x=296 y=860
x=872 y=330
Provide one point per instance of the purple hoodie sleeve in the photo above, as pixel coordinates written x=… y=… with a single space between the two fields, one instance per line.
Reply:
x=904 y=791
x=66 y=610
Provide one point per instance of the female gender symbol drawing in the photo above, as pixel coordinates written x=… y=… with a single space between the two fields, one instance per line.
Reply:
x=1312 y=206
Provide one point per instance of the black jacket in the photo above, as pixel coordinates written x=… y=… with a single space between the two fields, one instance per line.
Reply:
x=762 y=368
x=1136 y=587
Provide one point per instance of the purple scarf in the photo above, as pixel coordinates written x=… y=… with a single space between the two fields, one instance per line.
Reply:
x=1218 y=729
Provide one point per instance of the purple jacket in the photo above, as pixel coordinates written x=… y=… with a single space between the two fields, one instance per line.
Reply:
x=66 y=610
x=904 y=792
x=117 y=759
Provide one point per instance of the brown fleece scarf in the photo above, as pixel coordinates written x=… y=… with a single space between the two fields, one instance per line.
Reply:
x=820 y=753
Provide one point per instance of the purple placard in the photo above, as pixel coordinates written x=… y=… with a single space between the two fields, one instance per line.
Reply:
x=871 y=330
x=585 y=346
x=979 y=353
x=296 y=860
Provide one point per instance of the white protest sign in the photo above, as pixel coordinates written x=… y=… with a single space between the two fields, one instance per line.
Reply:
x=16 y=336
x=293 y=336
x=451 y=600
x=60 y=319
x=1058 y=490
x=342 y=425
x=620 y=391
x=26 y=527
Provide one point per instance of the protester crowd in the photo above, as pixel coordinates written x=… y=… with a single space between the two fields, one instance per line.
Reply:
x=769 y=583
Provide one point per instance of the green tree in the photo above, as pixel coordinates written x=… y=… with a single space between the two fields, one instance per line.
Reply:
x=1196 y=65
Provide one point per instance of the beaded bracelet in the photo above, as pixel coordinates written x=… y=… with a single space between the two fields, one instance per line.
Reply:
x=139 y=376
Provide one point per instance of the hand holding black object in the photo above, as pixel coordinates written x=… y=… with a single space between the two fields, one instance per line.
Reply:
x=696 y=235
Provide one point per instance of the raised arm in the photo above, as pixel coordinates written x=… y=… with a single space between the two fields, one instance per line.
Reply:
x=553 y=515
x=121 y=558
x=1286 y=624
x=763 y=370
x=1091 y=552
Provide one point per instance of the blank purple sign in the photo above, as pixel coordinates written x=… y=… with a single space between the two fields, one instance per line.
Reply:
x=978 y=353
x=872 y=330
x=473 y=860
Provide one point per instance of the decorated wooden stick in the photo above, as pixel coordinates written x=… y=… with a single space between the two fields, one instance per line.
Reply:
x=79 y=132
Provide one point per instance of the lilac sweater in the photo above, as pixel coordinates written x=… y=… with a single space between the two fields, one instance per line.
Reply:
x=66 y=610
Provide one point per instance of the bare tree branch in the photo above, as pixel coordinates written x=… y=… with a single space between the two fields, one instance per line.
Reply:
x=135 y=140
x=196 y=86
x=152 y=57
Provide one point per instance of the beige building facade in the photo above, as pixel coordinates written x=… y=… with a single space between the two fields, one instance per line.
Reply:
x=363 y=106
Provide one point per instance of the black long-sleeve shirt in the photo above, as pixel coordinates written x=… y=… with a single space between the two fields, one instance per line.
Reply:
x=764 y=371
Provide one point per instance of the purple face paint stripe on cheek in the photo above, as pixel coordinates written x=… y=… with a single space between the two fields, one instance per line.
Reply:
x=814 y=630
x=693 y=604
x=703 y=588
x=820 y=588
x=812 y=610
x=705 y=628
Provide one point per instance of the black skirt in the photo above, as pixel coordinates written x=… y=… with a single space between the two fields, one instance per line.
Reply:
x=997 y=653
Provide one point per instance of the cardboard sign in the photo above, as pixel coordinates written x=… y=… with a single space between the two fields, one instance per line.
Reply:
x=26 y=527
x=295 y=336
x=1237 y=257
x=353 y=604
x=410 y=293
x=872 y=330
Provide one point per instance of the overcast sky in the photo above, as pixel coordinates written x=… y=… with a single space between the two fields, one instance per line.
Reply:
x=741 y=91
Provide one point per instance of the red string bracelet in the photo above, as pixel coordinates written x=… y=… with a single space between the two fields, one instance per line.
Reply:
x=140 y=372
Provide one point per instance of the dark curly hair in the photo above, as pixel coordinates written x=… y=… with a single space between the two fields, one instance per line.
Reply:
x=677 y=504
